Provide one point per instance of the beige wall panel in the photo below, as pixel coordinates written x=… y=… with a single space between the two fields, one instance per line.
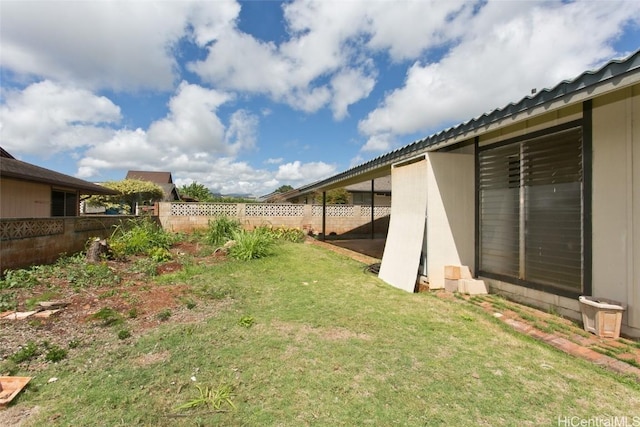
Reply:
x=449 y=236
x=401 y=256
x=22 y=199
x=615 y=214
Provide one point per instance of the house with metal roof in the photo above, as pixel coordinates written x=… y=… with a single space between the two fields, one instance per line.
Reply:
x=541 y=198
x=29 y=191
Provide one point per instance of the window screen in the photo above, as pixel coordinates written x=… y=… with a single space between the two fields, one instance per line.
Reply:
x=531 y=210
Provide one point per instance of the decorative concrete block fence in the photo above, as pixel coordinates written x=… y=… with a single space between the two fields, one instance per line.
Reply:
x=354 y=220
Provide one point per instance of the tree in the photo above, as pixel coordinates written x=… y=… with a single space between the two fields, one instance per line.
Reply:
x=337 y=196
x=197 y=191
x=284 y=189
x=131 y=191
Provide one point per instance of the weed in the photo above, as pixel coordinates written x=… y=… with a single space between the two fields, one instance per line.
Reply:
x=191 y=304
x=54 y=353
x=246 y=321
x=251 y=244
x=146 y=266
x=159 y=254
x=221 y=230
x=108 y=317
x=164 y=315
x=132 y=313
x=14 y=279
x=138 y=236
x=74 y=343
x=28 y=352
x=214 y=398
x=8 y=301
x=123 y=334
x=108 y=294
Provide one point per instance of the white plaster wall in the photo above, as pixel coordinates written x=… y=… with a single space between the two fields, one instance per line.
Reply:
x=449 y=236
x=616 y=202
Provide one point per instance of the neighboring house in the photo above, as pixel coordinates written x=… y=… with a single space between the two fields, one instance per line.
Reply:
x=361 y=193
x=29 y=191
x=163 y=179
x=541 y=199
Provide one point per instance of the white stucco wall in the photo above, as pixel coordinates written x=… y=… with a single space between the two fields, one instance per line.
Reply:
x=449 y=234
x=616 y=202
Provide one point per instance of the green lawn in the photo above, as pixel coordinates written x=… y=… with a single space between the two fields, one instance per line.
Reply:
x=306 y=337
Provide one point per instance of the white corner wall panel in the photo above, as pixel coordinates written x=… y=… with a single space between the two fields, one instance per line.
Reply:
x=402 y=250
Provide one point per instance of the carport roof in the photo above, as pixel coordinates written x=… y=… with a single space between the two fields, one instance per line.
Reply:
x=379 y=166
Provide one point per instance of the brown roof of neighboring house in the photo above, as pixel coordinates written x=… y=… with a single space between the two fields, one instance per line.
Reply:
x=16 y=169
x=380 y=185
x=157 y=177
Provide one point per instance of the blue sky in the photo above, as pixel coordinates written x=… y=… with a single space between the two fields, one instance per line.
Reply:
x=244 y=97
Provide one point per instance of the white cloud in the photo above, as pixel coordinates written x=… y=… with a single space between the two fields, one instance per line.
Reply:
x=272 y=161
x=107 y=44
x=192 y=124
x=297 y=173
x=53 y=117
x=507 y=49
x=349 y=86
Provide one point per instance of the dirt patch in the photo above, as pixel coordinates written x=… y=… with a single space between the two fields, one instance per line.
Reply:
x=136 y=299
x=16 y=416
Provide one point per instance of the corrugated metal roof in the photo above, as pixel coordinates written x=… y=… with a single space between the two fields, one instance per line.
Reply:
x=613 y=69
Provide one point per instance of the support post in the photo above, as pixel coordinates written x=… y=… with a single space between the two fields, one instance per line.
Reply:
x=324 y=215
x=373 y=225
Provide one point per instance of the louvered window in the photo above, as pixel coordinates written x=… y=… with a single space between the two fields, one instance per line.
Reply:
x=531 y=210
x=63 y=203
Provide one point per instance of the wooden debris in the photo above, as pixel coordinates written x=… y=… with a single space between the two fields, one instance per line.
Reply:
x=10 y=387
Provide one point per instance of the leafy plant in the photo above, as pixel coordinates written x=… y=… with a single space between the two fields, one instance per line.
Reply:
x=221 y=230
x=246 y=321
x=214 y=398
x=138 y=236
x=159 y=254
x=164 y=315
x=251 y=244
x=55 y=353
x=8 y=301
x=108 y=316
x=22 y=278
x=123 y=334
x=28 y=352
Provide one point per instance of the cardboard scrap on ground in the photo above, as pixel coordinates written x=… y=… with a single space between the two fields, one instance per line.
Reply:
x=10 y=387
x=45 y=309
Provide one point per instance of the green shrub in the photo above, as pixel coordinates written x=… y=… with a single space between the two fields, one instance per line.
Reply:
x=138 y=236
x=164 y=315
x=55 y=353
x=159 y=254
x=251 y=244
x=294 y=235
x=22 y=278
x=28 y=352
x=123 y=334
x=221 y=230
x=108 y=316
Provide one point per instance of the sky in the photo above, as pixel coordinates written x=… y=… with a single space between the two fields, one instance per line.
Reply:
x=244 y=97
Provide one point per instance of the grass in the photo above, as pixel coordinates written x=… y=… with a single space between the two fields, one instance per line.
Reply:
x=328 y=345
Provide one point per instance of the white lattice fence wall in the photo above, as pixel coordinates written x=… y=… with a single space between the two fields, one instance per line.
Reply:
x=272 y=210
x=335 y=210
x=378 y=211
x=204 y=209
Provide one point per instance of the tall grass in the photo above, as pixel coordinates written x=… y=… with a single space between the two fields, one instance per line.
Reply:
x=221 y=230
x=251 y=244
